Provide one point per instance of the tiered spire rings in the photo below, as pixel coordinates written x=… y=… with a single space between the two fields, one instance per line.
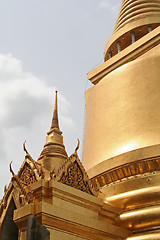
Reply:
x=136 y=19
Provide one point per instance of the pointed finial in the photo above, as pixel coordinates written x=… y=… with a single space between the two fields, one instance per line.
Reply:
x=11 y=170
x=76 y=149
x=55 y=124
x=77 y=145
x=24 y=147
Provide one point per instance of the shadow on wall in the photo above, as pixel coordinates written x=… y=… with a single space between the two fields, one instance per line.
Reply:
x=9 y=228
x=35 y=231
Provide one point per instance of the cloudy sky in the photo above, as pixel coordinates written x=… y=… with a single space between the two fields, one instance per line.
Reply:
x=46 y=46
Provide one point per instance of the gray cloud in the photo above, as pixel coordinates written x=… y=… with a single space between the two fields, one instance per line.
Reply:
x=2 y=146
x=24 y=109
x=24 y=98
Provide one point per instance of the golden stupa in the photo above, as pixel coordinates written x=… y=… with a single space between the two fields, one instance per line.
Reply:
x=122 y=131
x=114 y=193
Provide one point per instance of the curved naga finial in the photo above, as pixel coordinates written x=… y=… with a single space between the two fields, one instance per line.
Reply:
x=11 y=170
x=76 y=149
x=24 y=147
x=29 y=157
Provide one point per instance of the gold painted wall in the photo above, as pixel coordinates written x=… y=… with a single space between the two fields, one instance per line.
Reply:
x=122 y=110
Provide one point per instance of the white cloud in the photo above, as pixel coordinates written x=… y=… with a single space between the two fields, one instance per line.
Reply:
x=112 y=5
x=26 y=108
x=23 y=96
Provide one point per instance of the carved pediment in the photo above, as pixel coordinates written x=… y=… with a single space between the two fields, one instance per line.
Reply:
x=74 y=178
x=73 y=174
x=27 y=175
x=30 y=171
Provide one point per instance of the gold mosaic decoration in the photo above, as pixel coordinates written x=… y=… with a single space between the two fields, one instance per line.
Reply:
x=74 y=178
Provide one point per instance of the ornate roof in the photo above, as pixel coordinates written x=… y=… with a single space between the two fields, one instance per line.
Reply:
x=70 y=172
x=73 y=174
x=29 y=172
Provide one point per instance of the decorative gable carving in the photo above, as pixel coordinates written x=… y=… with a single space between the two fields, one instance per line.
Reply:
x=74 y=178
x=27 y=175
x=73 y=174
x=30 y=171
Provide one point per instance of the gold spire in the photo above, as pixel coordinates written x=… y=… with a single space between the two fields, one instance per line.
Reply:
x=136 y=19
x=140 y=12
x=55 y=124
x=53 y=153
